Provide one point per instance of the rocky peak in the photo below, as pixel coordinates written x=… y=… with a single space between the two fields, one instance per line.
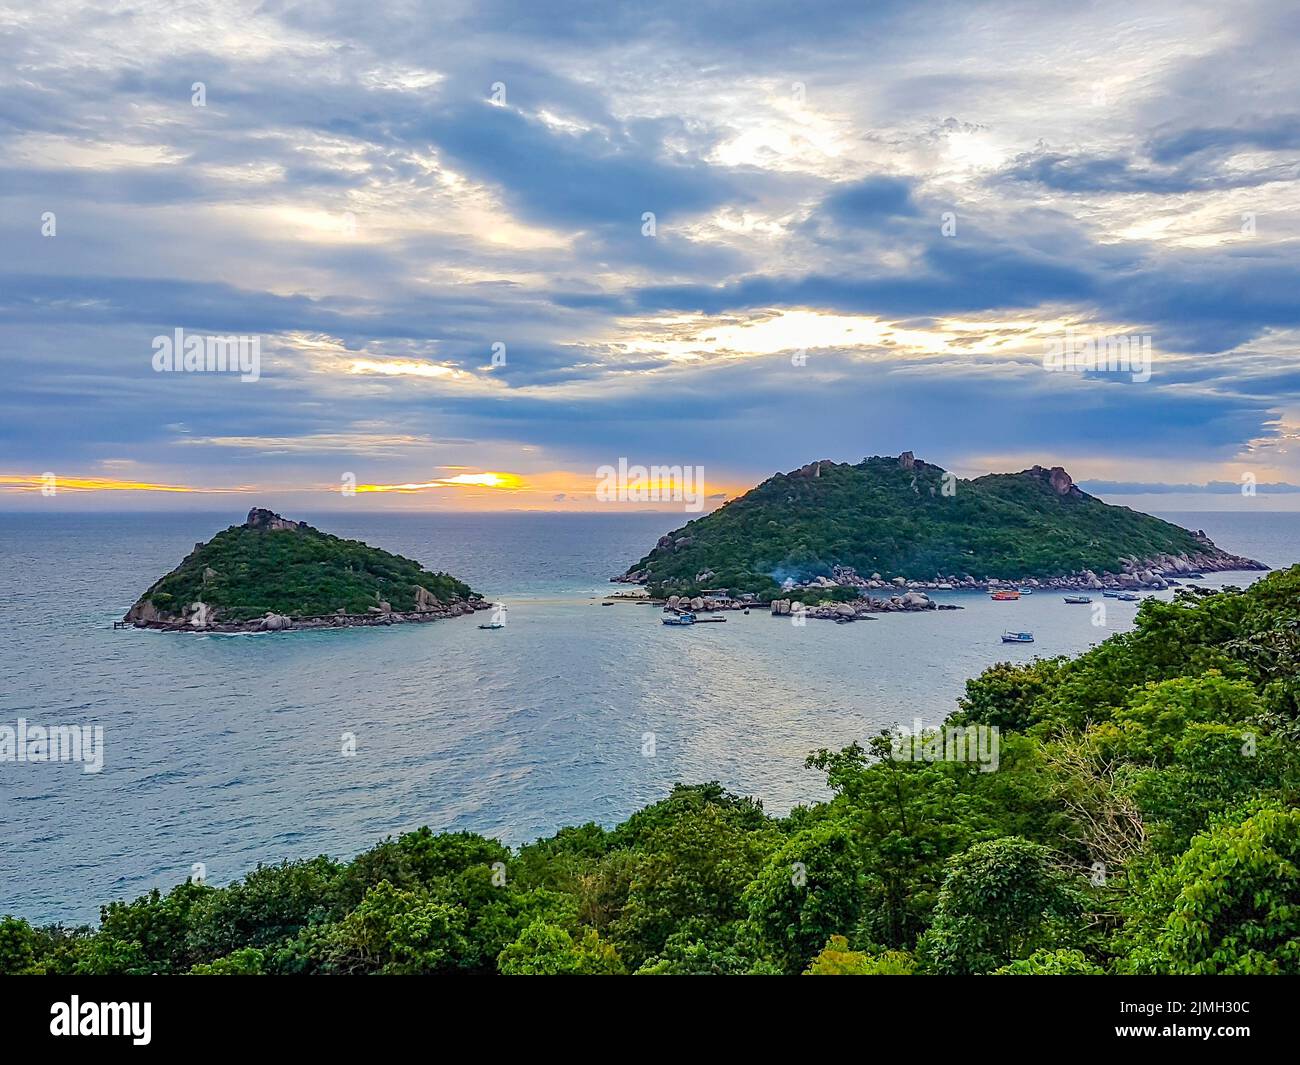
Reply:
x=1062 y=483
x=813 y=469
x=259 y=518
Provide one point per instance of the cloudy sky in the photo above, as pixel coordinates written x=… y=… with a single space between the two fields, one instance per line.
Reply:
x=485 y=248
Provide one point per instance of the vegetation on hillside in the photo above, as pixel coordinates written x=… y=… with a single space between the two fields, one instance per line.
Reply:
x=245 y=572
x=1144 y=817
x=917 y=522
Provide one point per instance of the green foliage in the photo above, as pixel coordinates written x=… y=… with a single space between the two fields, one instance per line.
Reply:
x=1000 y=901
x=1144 y=817
x=18 y=947
x=1052 y=963
x=878 y=517
x=728 y=950
x=836 y=959
x=905 y=819
x=1228 y=906
x=246 y=962
x=270 y=904
x=695 y=854
x=396 y=932
x=545 y=950
x=242 y=573
x=810 y=889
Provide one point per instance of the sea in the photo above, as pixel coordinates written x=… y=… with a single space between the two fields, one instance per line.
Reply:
x=224 y=751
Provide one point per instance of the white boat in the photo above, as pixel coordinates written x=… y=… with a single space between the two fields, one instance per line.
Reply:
x=1017 y=637
x=680 y=619
x=1078 y=599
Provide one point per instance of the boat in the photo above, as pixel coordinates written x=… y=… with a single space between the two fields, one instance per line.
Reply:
x=681 y=619
x=1017 y=637
x=1127 y=597
x=494 y=625
x=1110 y=595
x=711 y=617
x=1025 y=591
x=1192 y=576
x=1078 y=599
x=1003 y=595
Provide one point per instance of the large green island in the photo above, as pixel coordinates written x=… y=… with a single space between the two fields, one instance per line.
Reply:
x=271 y=574
x=837 y=528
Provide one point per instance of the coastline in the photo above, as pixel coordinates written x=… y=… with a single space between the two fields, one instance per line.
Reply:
x=1154 y=574
x=290 y=623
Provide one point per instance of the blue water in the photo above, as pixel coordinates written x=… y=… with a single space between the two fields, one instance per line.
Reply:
x=227 y=750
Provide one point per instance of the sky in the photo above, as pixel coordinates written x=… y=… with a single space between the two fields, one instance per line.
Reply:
x=481 y=250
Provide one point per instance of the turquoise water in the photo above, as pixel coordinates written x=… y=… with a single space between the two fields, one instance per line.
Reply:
x=227 y=750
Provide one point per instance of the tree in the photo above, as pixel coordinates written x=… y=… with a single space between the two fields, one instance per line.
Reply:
x=1229 y=906
x=247 y=962
x=905 y=818
x=1000 y=901
x=1052 y=963
x=547 y=950
x=694 y=854
x=809 y=890
x=837 y=960
x=18 y=944
x=396 y=932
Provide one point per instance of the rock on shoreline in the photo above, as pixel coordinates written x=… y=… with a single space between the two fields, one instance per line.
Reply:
x=198 y=622
x=862 y=609
x=1162 y=571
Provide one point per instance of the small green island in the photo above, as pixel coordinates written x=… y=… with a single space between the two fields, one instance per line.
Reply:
x=835 y=530
x=271 y=574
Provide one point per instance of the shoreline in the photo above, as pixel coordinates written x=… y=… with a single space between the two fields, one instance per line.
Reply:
x=1163 y=571
x=290 y=623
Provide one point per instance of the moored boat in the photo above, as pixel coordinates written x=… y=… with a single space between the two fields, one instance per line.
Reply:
x=1017 y=637
x=1004 y=595
x=681 y=619
x=1078 y=599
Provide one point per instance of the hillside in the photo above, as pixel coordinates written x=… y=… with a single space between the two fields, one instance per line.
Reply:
x=274 y=573
x=1144 y=819
x=901 y=517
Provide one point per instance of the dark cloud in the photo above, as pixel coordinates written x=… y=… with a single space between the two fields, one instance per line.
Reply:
x=521 y=223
